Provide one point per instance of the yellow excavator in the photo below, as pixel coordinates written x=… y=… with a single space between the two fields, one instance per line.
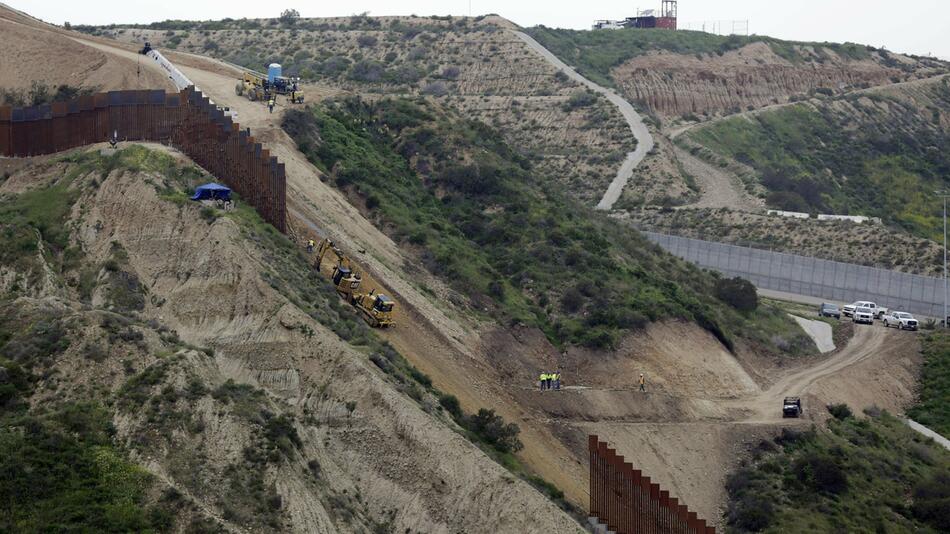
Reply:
x=346 y=281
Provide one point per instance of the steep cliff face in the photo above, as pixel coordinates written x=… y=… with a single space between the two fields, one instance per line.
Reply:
x=754 y=76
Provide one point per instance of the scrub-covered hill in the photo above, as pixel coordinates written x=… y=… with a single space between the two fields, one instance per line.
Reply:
x=474 y=65
x=166 y=366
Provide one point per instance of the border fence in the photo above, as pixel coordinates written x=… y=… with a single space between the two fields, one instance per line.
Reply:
x=188 y=121
x=629 y=503
x=803 y=275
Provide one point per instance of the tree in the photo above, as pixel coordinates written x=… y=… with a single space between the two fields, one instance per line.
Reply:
x=289 y=16
x=738 y=293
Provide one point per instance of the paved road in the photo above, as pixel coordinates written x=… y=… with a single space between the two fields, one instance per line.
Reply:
x=644 y=139
x=929 y=433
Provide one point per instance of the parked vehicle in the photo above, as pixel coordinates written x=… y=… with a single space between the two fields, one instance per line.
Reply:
x=792 y=407
x=900 y=320
x=876 y=311
x=829 y=310
x=862 y=314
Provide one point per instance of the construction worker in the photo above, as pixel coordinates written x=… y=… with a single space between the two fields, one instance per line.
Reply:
x=541 y=380
x=643 y=387
x=310 y=245
x=557 y=380
x=550 y=379
x=270 y=104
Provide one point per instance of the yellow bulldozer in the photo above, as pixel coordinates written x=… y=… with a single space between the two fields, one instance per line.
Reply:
x=377 y=310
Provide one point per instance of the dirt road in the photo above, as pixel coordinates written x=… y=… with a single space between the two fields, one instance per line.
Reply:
x=867 y=343
x=640 y=131
x=718 y=188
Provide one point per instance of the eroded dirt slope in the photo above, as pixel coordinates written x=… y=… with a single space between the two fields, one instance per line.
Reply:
x=752 y=77
x=365 y=453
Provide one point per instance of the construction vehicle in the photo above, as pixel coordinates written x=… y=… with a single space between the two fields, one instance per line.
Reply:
x=254 y=86
x=792 y=407
x=346 y=281
x=262 y=87
x=377 y=310
x=325 y=246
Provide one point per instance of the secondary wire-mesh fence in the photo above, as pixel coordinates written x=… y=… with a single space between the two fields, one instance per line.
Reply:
x=188 y=121
x=814 y=277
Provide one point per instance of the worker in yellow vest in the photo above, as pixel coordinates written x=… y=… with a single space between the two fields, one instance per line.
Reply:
x=543 y=379
x=270 y=104
x=310 y=245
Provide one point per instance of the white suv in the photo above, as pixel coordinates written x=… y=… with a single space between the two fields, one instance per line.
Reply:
x=901 y=320
x=863 y=314
x=876 y=311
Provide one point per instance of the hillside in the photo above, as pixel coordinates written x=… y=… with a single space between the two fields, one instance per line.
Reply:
x=871 y=153
x=203 y=357
x=499 y=271
x=695 y=74
x=862 y=244
x=65 y=62
x=473 y=65
x=860 y=475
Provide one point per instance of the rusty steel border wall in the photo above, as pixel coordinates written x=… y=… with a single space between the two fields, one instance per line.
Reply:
x=188 y=121
x=627 y=502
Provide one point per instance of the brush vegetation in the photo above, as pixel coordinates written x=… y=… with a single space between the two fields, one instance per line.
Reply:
x=595 y=53
x=861 y=155
x=873 y=474
x=478 y=215
x=933 y=406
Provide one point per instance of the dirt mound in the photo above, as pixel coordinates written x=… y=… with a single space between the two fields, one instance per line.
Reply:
x=33 y=52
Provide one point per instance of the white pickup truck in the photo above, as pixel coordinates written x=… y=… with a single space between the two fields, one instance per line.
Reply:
x=877 y=311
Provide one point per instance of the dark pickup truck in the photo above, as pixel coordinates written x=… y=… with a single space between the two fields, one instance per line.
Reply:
x=792 y=407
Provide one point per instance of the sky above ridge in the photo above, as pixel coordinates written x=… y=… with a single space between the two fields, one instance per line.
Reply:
x=923 y=28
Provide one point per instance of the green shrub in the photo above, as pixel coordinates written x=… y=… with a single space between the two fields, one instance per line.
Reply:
x=491 y=429
x=821 y=473
x=451 y=405
x=738 y=293
x=62 y=473
x=932 y=501
x=840 y=411
x=933 y=405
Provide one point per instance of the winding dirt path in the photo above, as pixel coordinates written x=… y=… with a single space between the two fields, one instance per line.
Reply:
x=719 y=188
x=639 y=130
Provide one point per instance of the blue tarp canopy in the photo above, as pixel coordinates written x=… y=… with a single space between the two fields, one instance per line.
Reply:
x=212 y=191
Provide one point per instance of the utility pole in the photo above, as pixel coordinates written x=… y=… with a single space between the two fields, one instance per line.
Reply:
x=944 y=194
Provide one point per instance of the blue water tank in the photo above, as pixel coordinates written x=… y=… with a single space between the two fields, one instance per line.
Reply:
x=273 y=72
